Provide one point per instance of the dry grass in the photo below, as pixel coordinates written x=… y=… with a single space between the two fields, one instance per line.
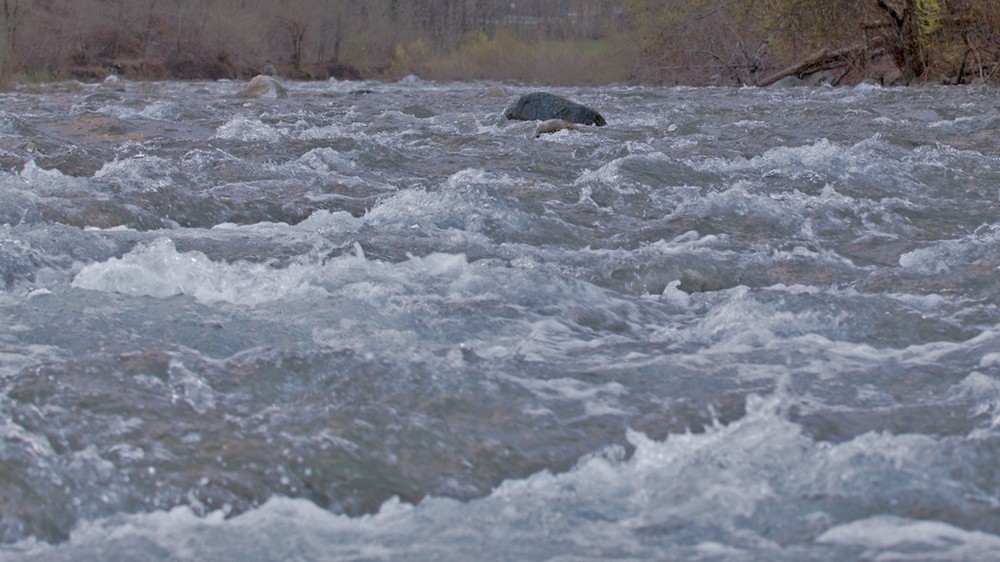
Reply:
x=505 y=57
x=152 y=39
x=549 y=42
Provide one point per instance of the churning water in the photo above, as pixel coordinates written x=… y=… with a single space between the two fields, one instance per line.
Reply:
x=379 y=322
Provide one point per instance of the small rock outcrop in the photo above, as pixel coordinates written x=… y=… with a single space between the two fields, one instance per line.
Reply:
x=113 y=82
x=262 y=86
x=554 y=125
x=543 y=106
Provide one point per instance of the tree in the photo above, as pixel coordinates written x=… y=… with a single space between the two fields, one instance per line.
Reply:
x=906 y=40
x=954 y=40
x=8 y=41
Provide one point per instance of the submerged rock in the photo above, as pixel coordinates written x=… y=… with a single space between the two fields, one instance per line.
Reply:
x=496 y=92
x=788 y=82
x=418 y=111
x=544 y=106
x=262 y=86
x=113 y=82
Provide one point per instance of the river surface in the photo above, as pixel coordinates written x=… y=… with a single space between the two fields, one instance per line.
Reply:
x=377 y=321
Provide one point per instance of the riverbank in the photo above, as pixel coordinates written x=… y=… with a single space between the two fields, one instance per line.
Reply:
x=592 y=63
x=573 y=42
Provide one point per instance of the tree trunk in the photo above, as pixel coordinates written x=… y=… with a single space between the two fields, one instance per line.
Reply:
x=824 y=59
x=9 y=40
x=905 y=43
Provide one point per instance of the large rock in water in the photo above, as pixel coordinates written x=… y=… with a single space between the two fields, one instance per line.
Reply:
x=263 y=87
x=543 y=106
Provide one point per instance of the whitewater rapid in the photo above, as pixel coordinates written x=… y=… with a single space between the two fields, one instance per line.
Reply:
x=377 y=321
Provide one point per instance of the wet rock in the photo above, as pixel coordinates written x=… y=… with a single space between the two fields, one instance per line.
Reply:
x=893 y=77
x=543 y=106
x=554 y=125
x=113 y=82
x=496 y=92
x=262 y=86
x=418 y=111
x=788 y=82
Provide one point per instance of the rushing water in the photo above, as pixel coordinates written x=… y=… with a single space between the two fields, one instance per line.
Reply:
x=379 y=322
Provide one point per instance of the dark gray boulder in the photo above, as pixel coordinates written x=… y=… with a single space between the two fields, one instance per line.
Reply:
x=543 y=106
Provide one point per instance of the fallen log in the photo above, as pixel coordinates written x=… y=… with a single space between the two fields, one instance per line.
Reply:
x=824 y=59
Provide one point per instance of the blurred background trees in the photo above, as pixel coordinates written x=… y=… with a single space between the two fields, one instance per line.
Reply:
x=722 y=42
x=746 y=42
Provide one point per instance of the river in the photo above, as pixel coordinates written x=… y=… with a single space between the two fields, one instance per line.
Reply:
x=377 y=321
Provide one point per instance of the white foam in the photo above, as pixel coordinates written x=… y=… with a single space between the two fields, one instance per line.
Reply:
x=190 y=387
x=946 y=255
x=40 y=177
x=332 y=130
x=598 y=399
x=140 y=173
x=797 y=160
x=868 y=86
x=895 y=538
x=246 y=129
x=463 y=203
x=159 y=270
x=324 y=221
x=984 y=392
x=990 y=360
x=157 y=110
x=611 y=174
x=731 y=483
x=327 y=159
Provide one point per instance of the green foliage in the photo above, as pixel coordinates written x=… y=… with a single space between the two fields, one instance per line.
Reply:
x=655 y=24
x=929 y=13
x=484 y=50
x=948 y=40
x=406 y=59
x=38 y=75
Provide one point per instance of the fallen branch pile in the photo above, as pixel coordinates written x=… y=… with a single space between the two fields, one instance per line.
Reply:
x=824 y=59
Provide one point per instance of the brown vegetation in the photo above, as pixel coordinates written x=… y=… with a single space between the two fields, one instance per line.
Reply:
x=549 y=41
x=758 y=41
